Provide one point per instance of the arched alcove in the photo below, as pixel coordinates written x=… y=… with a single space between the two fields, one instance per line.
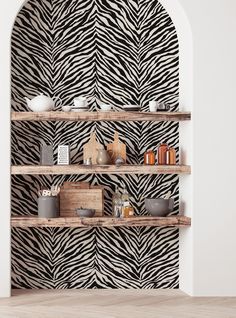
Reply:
x=124 y=53
x=17 y=105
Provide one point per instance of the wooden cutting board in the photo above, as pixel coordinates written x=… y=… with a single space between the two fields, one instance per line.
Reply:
x=71 y=199
x=117 y=148
x=76 y=185
x=90 y=149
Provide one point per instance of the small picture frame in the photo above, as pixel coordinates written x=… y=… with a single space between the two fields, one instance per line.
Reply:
x=63 y=156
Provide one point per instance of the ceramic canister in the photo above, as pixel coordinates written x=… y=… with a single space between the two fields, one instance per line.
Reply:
x=106 y=107
x=103 y=157
x=48 y=207
x=46 y=155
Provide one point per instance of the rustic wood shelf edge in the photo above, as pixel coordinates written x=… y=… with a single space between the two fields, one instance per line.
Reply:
x=100 y=116
x=73 y=222
x=107 y=169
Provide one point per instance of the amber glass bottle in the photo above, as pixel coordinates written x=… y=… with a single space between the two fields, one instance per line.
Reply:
x=162 y=150
x=149 y=158
x=128 y=211
x=171 y=156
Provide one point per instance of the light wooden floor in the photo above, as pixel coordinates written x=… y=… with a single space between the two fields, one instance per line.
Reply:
x=114 y=304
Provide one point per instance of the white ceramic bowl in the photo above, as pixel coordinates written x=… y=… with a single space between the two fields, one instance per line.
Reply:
x=66 y=108
x=105 y=107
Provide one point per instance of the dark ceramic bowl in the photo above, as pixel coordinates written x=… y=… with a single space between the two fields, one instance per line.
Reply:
x=159 y=207
x=85 y=213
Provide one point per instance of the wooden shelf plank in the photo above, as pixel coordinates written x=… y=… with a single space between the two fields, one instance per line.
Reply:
x=74 y=222
x=108 y=169
x=100 y=116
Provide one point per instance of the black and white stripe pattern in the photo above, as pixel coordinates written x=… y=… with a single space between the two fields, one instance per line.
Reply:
x=117 y=52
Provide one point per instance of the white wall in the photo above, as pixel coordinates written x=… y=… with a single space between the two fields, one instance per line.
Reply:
x=209 y=246
x=207 y=250
x=185 y=38
x=213 y=25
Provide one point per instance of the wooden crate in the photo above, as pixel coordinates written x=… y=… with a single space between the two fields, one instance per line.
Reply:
x=75 y=197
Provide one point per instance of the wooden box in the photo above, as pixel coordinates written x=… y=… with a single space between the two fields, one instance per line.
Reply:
x=72 y=198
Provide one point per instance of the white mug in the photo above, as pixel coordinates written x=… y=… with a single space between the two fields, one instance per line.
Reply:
x=80 y=102
x=153 y=106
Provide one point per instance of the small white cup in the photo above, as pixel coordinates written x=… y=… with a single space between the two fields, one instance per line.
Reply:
x=66 y=108
x=106 y=107
x=80 y=102
x=153 y=106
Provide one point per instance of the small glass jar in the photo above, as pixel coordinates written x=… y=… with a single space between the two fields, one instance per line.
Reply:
x=128 y=211
x=149 y=158
x=162 y=150
x=125 y=202
x=171 y=157
x=117 y=204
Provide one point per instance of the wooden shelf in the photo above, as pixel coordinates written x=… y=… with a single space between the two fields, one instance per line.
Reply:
x=109 y=169
x=73 y=222
x=100 y=116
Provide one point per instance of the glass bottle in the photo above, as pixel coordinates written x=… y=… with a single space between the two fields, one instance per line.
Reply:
x=125 y=202
x=171 y=156
x=128 y=211
x=149 y=158
x=162 y=150
x=116 y=204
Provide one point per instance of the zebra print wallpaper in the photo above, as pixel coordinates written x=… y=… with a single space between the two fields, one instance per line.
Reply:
x=112 y=51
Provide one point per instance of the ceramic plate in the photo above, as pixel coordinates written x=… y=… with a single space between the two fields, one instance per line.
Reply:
x=163 y=110
x=79 y=109
x=130 y=108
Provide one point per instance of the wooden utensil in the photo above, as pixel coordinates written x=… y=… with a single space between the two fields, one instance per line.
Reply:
x=90 y=149
x=117 y=148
